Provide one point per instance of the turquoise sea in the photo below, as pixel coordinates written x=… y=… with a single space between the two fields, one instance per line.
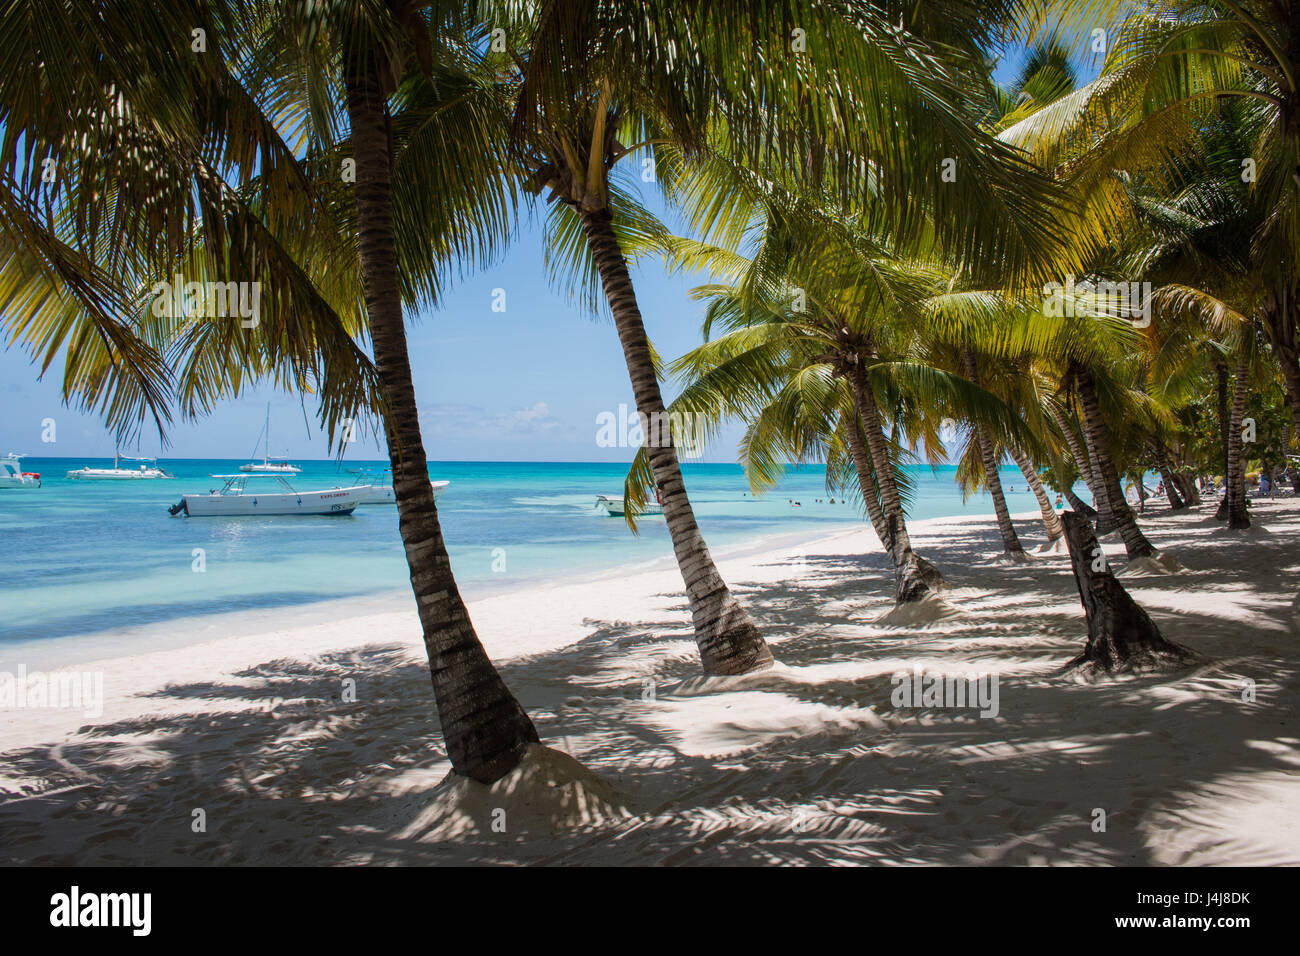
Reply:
x=86 y=562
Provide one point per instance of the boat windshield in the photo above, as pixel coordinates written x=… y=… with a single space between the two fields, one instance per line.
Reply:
x=234 y=484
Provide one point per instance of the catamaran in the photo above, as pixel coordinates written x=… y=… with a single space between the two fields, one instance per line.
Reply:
x=270 y=465
x=233 y=499
x=613 y=506
x=118 y=473
x=382 y=493
x=13 y=476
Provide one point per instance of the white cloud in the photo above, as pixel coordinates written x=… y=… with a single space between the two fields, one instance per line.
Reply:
x=450 y=419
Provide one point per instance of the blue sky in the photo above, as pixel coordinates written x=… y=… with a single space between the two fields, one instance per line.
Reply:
x=526 y=384
x=523 y=384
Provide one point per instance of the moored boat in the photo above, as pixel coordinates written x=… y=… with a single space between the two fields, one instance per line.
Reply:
x=118 y=473
x=383 y=494
x=269 y=465
x=613 y=506
x=234 y=499
x=13 y=476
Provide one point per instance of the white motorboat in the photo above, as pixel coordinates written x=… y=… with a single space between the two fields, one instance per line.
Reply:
x=118 y=473
x=234 y=499
x=385 y=495
x=13 y=476
x=613 y=506
x=270 y=465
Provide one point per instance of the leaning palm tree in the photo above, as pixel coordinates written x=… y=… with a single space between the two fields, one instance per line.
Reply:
x=1081 y=377
x=487 y=730
x=838 y=370
x=979 y=463
x=1019 y=383
x=603 y=80
x=191 y=157
x=1012 y=380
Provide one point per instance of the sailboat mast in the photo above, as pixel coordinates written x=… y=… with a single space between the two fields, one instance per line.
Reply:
x=266 y=456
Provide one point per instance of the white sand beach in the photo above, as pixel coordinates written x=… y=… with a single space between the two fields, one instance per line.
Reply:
x=808 y=763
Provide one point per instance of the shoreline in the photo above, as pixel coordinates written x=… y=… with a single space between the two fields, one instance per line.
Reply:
x=248 y=637
x=81 y=650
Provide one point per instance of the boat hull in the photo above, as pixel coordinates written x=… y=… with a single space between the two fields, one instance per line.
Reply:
x=110 y=474
x=13 y=476
x=384 y=494
x=335 y=501
x=614 y=508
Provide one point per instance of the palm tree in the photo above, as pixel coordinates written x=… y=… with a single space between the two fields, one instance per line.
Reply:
x=178 y=128
x=989 y=461
x=486 y=729
x=1236 y=497
x=606 y=79
x=1097 y=437
x=1161 y=458
x=1051 y=520
x=829 y=369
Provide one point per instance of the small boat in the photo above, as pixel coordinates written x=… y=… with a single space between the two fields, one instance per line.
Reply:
x=385 y=495
x=270 y=465
x=118 y=473
x=13 y=476
x=613 y=506
x=233 y=499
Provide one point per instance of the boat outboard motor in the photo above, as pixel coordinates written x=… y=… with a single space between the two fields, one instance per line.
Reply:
x=178 y=508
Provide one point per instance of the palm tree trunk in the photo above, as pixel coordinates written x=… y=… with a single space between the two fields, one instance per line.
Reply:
x=729 y=642
x=992 y=480
x=866 y=479
x=1236 y=497
x=1280 y=325
x=1051 y=520
x=1290 y=363
x=1191 y=490
x=485 y=729
x=1225 y=425
x=1121 y=635
x=1079 y=505
x=914 y=576
x=1175 y=500
x=1225 y=430
x=1105 y=522
x=1097 y=439
x=1225 y=414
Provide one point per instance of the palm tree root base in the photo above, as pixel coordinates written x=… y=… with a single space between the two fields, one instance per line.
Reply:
x=916 y=578
x=490 y=746
x=737 y=649
x=1121 y=635
x=548 y=793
